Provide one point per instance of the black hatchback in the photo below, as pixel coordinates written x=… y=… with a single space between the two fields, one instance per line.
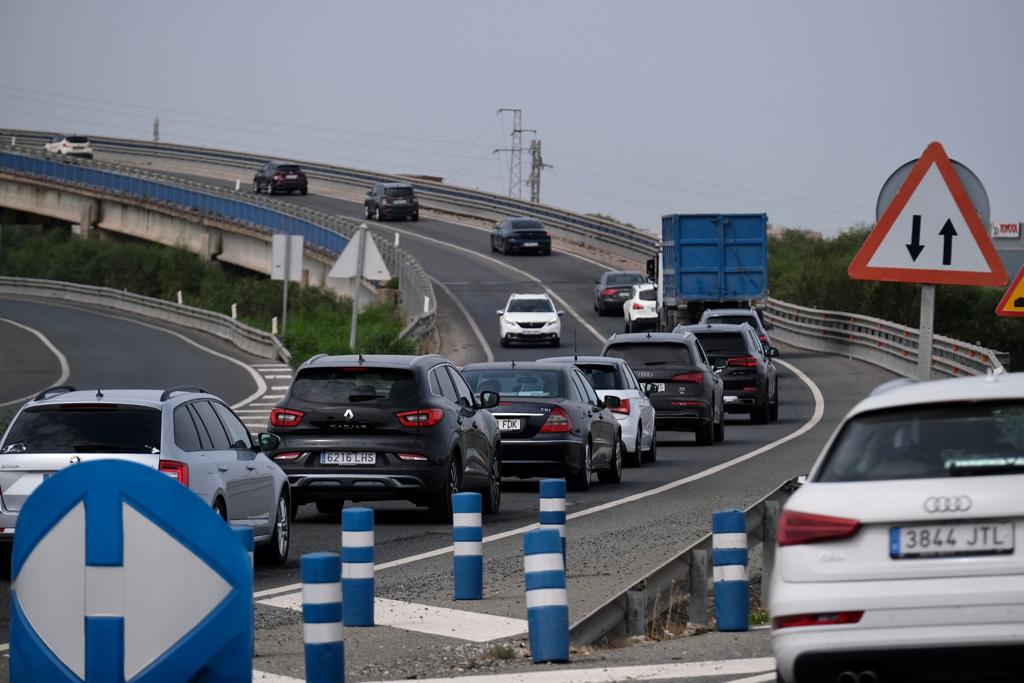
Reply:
x=520 y=234
x=745 y=364
x=552 y=421
x=391 y=200
x=280 y=176
x=686 y=391
x=386 y=427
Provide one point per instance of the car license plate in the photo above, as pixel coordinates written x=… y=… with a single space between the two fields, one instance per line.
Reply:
x=399 y=201
x=658 y=386
x=506 y=424
x=291 y=176
x=529 y=244
x=348 y=458
x=937 y=540
x=531 y=331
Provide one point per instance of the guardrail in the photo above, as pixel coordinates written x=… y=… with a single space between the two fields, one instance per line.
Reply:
x=322 y=231
x=879 y=342
x=609 y=235
x=247 y=338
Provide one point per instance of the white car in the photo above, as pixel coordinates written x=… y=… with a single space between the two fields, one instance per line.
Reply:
x=641 y=308
x=635 y=412
x=902 y=557
x=530 y=318
x=69 y=146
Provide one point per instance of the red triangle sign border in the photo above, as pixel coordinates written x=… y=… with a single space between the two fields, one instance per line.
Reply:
x=1001 y=309
x=933 y=154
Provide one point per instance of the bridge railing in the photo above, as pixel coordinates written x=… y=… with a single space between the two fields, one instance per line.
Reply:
x=322 y=231
x=879 y=342
x=610 y=236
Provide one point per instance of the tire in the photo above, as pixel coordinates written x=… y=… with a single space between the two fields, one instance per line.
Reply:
x=255 y=187
x=415 y=218
x=276 y=551
x=773 y=409
x=759 y=415
x=366 y=211
x=304 y=191
x=504 y=342
x=492 y=494
x=651 y=454
x=221 y=509
x=270 y=189
x=440 y=503
x=706 y=434
x=506 y=250
x=546 y=252
x=556 y=342
x=493 y=248
x=294 y=512
x=720 y=428
x=636 y=457
x=376 y=215
x=613 y=475
x=628 y=327
x=580 y=481
x=330 y=507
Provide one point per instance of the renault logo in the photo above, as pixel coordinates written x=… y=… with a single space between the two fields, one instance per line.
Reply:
x=349 y=414
x=947 y=504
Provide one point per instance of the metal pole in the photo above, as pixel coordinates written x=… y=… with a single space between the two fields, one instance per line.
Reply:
x=924 y=343
x=770 y=528
x=362 y=236
x=287 y=276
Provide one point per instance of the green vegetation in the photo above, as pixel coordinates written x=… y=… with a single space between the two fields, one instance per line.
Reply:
x=503 y=651
x=805 y=269
x=318 y=321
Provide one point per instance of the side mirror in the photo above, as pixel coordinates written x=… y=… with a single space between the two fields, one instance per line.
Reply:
x=267 y=442
x=612 y=402
x=561 y=313
x=773 y=352
x=489 y=399
x=499 y=312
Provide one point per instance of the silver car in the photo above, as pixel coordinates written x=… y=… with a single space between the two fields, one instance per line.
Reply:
x=635 y=413
x=184 y=432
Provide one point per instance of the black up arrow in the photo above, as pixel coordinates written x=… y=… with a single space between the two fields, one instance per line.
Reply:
x=915 y=247
x=947 y=232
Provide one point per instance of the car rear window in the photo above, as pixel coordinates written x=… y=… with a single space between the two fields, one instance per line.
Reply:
x=513 y=382
x=617 y=279
x=77 y=139
x=526 y=226
x=288 y=168
x=354 y=385
x=85 y=428
x=648 y=295
x=603 y=376
x=399 y=192
x=723 y=343
x=651 y=353
x=731 y=320
x=929 y=442
x=530 y=306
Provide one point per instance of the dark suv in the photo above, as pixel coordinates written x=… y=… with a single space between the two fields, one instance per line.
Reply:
x=744 y=362
x=684 y=388
x=280 y=176
x=520 y=234
x=391 y=200
x=386 y=427
x=614 y=287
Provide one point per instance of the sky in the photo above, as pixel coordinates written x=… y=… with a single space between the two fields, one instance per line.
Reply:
x=799 y=109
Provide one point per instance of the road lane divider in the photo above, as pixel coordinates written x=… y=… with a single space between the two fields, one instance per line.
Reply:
x=357 y=553
x=729 y=558
x=322 y=641
x=467 y=541
x=552 y=508
x=62 y=361
x=547 y=596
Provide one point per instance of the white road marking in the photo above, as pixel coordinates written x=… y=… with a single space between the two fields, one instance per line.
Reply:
x=281 y=387
x=65 y=369
x=819 y=412
x=263 y=677
x=769 y=677
x=438 y=621
x=272 y=366
x=648 y=672
x=469 y=318
x=278 y=376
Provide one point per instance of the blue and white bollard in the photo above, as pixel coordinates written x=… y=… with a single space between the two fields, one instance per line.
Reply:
x=247 y=537
x=547 y=600
x=357 y=585
x=468 y=537
x=552 y=508
x=321 y=618
x=729 y=557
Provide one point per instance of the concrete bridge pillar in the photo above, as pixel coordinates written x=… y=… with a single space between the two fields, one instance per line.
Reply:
x=89 y=218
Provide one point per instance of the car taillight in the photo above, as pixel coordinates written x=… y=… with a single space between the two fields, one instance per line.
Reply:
x=797 y=528
x=744 y=362
x=763 y=338
x=291 y=455
x=285 y=417
x=608 y=292
x=689 y=378
x=278 y=176
x=412 y=457
x=383 y=200
x=548 y=235
x=425 y=417
x=638 y=306
x=825 y=619
x=623 y=407
x=67 y=144
x=176 y=469
x=557 y=421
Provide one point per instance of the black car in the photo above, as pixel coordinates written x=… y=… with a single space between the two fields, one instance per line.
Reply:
x=687 y=393
x=745 y=365
x=520 y=234
x=391 y=200
x=614 y=287
x=552 y=421
x=386 y=427
x=280 y=176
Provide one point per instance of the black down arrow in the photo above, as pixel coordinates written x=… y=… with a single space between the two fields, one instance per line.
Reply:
x=947 y=232
x=915 y=247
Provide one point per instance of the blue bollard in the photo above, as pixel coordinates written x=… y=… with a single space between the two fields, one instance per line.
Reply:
x=547 y=600
x=247 y=537
x=552 y=508
x=468 y=537
x=729 y=557
x=321 y=618
x=357 y=556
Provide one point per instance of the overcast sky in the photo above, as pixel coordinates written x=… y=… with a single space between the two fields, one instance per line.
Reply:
x=797 y=109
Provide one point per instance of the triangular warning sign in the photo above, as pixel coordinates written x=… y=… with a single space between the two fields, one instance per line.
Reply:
x=1012 y=304
x=930 y=233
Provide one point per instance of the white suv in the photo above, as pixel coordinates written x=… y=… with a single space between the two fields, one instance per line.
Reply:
x=69 y=146
x=902 y=557
x=641 y=308
x=530 y=318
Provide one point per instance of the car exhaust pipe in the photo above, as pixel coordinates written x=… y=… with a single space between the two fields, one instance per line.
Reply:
x=847 y=677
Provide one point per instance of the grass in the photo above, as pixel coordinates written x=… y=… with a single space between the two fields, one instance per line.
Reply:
x=503 y=651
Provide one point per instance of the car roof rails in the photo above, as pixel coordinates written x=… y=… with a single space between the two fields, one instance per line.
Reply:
x=892 y=384
x=173 y=390
x=54 y=391
x=315 y=357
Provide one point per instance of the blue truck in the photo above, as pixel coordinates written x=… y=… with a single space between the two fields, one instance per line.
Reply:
x=710 y=261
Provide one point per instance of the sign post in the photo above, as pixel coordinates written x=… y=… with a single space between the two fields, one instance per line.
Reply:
x=930 y=232
x=286 y=265
x=360 y=260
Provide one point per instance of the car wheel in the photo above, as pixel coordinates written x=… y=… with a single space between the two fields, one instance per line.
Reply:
x=547 y=252
x=366 y=211
x=276 y=551
x=255 y=187
x=627 y=327
x=221 y=509
x=613 y=475
x=773 y=410
x=492 y=494
x=504 y=342
x=294 y=510
x=330 y=507
x=556 y=342
x=415 y=217
x=635 y=458
x=441 y=502
x=304 y=191
x=651 y=454
x=720 y=428
x=706 y=433
x=759 y=415
x=581 y=480
x=506 y=250
x=376 y=214
x=269 y=188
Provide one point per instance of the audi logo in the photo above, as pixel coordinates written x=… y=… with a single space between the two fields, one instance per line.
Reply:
x=947 y=504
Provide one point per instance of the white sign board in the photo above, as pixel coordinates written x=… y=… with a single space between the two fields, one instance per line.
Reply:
x=286 y=257
x=374 y=267
x=1006 y=231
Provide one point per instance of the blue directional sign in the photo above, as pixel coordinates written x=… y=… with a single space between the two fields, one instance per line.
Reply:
x=122 y=574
